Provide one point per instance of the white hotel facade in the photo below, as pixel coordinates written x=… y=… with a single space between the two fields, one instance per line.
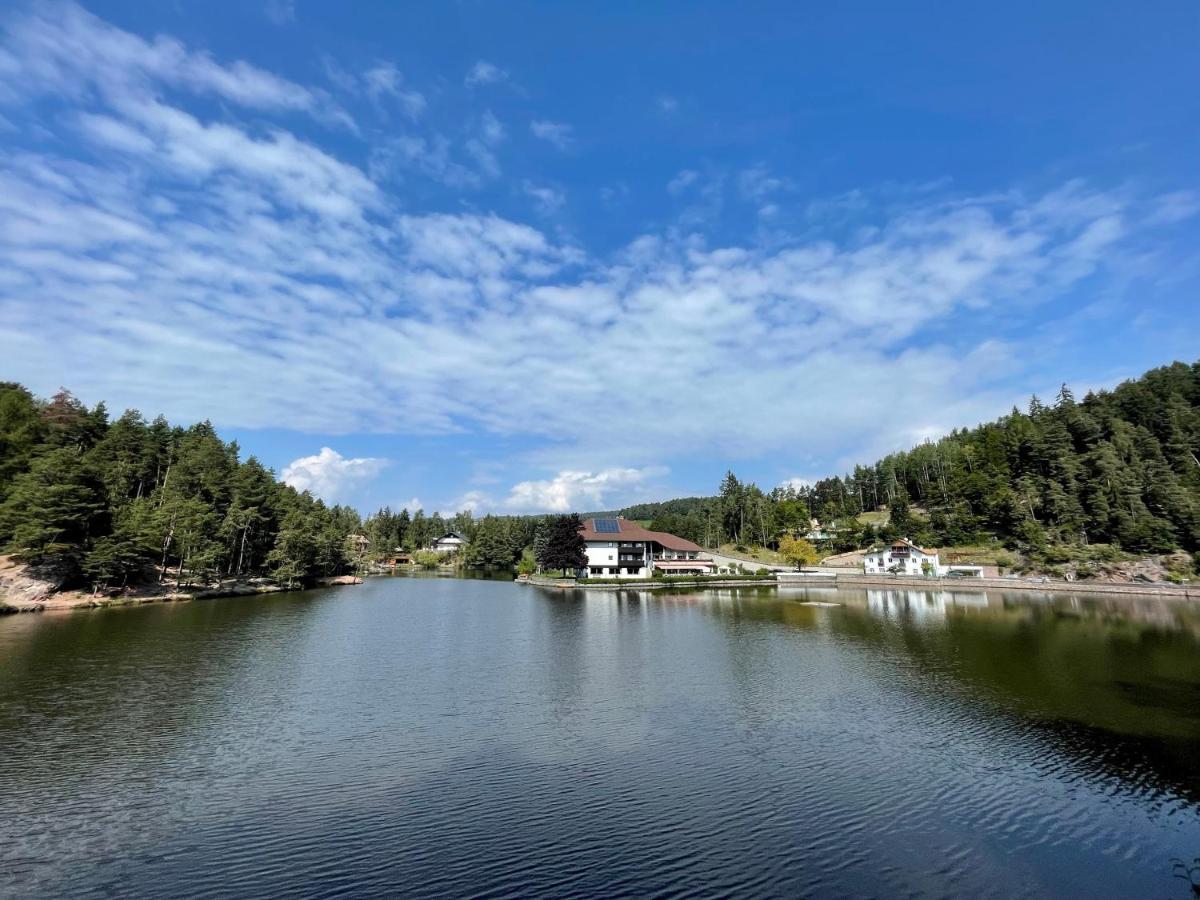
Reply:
x=619 y=548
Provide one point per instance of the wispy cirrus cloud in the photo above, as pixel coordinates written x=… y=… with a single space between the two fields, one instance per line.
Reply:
x=385 y=82
x=559 y=134
x=484 y=72
x=682 y=180
x=547 y=199
x=178 y=254
x=280 y=12
x=61 y=50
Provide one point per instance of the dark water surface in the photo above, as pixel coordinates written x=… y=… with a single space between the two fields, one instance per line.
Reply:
x=479 y=738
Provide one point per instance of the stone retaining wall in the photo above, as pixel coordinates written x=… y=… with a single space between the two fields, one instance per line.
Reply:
x=918 y=582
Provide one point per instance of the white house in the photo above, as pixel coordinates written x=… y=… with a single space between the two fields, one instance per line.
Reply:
x=901 y=557
x=619 y=548
x=448 y=543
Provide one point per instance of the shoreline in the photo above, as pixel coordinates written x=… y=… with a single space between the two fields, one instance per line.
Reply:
x=920 y=582
x=68 y=601
x=1188 y=593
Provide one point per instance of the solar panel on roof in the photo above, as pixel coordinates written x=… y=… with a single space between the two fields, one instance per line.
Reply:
x=608 y=526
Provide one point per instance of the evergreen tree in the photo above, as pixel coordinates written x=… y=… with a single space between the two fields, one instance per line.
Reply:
x=53 y=506
x=565 y=548
x=491 y=547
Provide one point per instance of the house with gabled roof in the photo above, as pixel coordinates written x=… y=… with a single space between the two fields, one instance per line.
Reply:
x=620 y=548
x=449 y=542
x=901 y=557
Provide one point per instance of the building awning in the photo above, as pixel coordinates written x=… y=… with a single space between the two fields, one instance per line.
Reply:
x=683 y=564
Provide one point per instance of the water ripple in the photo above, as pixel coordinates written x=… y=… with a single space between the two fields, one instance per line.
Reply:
x=478 y=739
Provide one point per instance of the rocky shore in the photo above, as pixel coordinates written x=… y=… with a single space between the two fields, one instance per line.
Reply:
x=23 y=589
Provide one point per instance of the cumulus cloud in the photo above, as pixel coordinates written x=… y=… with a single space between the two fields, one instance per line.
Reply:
x=557 y=133
x=331 y=476
x=578 y=491
x=797 y=483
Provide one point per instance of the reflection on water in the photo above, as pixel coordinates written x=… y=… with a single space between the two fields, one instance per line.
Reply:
x=436 y=736
x=923 y=605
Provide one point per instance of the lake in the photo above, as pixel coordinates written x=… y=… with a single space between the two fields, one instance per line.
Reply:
x=426 y=736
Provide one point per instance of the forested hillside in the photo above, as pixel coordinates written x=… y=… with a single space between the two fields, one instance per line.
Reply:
x=120 y=499
x=114 y=501
x=1118 y=467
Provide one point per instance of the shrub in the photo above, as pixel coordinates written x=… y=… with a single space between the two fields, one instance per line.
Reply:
x=427 y=559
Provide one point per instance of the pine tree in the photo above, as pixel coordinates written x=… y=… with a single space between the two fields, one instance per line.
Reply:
x=53 y=506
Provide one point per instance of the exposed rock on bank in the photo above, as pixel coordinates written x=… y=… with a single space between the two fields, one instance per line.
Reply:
x=41 y=588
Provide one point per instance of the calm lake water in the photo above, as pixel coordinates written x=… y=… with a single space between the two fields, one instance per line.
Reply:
x=479 y=738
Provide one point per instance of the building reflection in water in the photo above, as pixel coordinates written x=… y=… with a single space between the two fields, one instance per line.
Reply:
x=923 y=605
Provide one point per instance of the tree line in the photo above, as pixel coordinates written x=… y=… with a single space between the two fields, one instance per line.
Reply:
x=116 y=502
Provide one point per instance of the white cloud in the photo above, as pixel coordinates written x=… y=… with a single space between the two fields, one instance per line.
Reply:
x=435 y=158
x=484 y=72
x=1173 y=207
x=490 y=129
x=384 y=81
x=62 y=49
x=757 y=183
x=682 y=180
x=547 y=200
x=280 y=12
x=175 y=260
x=472 y=502
x=557 y=133
x=437 y=323
x=331 y=476
x=577 y=491
x=798 y=483
x=114 y=133
x=614 y=195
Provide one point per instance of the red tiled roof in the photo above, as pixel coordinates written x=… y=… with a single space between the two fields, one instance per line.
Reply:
x=632 y=531
x=899 y=542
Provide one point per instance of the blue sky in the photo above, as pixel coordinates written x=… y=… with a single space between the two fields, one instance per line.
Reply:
x=520 y=257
